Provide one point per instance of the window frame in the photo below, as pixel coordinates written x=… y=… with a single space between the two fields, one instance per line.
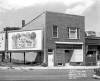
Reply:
x=54 y=32
x=70 y=33
x=77 y=34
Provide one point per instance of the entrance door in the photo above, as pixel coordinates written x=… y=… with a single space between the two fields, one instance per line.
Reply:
x=67 y=56
x=50 y=58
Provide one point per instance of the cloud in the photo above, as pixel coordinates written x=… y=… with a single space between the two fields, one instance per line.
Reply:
x=76 y=10
x=1 y=22
x=19 y=4
x=1 y=10
x=80 y=8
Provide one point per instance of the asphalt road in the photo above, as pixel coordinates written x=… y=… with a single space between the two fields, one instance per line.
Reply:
x=46 y=75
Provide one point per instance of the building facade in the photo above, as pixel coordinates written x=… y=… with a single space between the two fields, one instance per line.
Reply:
x=92 y=50
x=63 y=38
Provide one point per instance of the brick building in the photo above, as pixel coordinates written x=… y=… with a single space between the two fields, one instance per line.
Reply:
x=63 y=38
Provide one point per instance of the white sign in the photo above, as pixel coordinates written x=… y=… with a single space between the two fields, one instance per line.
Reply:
x=90 y=33
x=98 y=34
x=2 y=41
x=25 y=40
x=93 y=33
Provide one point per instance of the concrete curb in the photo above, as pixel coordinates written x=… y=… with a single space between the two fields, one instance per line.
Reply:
x=63 y=68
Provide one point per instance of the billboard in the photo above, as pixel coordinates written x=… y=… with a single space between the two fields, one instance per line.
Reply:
x=25 y=40
x=2 y=41
x=92 y=33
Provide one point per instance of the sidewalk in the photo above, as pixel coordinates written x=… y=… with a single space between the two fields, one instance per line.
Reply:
x=39 y=67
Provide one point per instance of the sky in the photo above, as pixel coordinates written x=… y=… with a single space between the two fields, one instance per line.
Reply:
x=12 y=12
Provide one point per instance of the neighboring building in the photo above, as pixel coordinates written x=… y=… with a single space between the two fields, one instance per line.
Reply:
x=92 y=50
x=63 y=38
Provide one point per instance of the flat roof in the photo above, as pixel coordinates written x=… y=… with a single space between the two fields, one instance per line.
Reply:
x=90 y=37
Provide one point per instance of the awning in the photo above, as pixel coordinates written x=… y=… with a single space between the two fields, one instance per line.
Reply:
x=68 y=42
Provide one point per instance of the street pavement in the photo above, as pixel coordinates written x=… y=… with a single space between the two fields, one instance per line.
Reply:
x=11 y=74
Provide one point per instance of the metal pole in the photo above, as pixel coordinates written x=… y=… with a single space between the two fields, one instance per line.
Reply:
x=24 y=57
x=10 y=56
x=40 y=57
x=2 y=58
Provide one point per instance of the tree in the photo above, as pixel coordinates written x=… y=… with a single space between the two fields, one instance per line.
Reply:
x=11 y=28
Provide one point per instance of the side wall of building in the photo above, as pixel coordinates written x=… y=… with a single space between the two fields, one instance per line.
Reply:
x=92 y=50
x=37 y=23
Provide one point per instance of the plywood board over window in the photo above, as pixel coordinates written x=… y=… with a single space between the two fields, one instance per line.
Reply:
x=77 y=56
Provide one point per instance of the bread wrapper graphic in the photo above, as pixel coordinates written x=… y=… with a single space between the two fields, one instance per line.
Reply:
x=14 y=41
x=24 y=40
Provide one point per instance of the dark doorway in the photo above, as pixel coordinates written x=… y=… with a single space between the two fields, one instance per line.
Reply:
x=68 y=54
x=98 y=53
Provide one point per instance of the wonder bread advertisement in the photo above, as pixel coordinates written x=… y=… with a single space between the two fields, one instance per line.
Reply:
x=25 y=40
x=2 y=41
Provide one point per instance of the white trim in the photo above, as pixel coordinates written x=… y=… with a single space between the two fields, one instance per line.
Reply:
x=69 y=42
x=57 y=32
x=79 y=33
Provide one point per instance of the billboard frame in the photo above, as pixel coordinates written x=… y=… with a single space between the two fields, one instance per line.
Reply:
x=24 y=50
x=5 y=48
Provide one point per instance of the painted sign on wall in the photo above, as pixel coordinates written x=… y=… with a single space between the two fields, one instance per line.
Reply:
x=25 y=40
x=2 y=41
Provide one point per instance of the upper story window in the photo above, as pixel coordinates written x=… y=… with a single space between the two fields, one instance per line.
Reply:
x=55 y=31
x=73 y=33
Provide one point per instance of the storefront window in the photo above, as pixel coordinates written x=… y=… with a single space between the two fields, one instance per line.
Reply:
x=69 y=46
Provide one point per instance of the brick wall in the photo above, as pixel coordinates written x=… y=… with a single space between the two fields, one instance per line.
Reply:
x=63 y=21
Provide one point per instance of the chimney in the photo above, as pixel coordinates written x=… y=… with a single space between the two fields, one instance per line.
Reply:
x=23 y=23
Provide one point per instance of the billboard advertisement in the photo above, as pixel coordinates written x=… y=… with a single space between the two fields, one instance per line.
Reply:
x=25 y=40
x=2 y=41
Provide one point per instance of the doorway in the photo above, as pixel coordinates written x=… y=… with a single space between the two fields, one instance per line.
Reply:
x=68 y=55
x=98 y=55
x=50 y=58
